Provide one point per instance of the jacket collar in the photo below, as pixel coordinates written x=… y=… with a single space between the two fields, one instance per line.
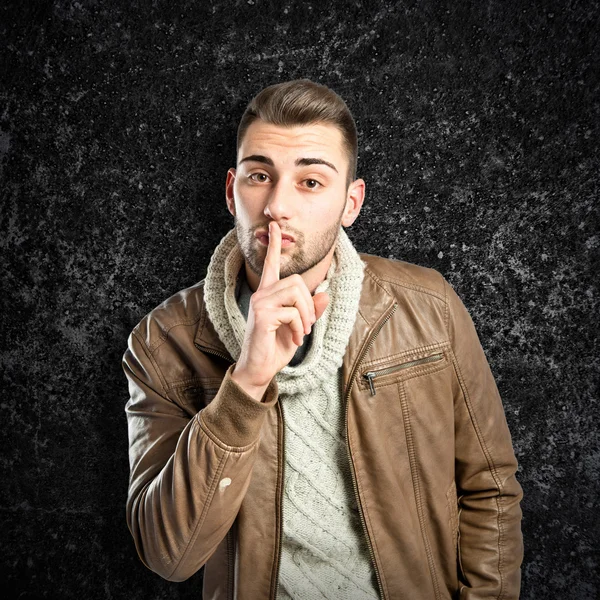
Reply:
x=375 y=303
x=206 y=337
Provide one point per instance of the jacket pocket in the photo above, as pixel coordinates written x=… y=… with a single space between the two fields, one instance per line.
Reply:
x=452 y=502
x=373 y=377
x=454 y=512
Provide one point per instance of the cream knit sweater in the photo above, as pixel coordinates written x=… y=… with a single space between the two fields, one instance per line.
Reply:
x=324 y=552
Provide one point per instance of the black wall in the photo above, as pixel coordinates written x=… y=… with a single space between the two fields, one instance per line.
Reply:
x=479 y=144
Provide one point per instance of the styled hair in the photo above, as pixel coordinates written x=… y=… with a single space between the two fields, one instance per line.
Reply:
x=302 y=102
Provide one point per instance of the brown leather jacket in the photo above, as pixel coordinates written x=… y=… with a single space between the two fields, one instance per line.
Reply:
x=431 y=454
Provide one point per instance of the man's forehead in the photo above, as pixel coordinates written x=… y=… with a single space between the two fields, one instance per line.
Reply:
x=320 y=138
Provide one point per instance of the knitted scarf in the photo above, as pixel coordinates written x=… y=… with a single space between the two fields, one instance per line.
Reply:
x=330 y=333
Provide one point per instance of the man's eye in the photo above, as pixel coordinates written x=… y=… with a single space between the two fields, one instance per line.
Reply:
x=312 y=183
x=260 y=177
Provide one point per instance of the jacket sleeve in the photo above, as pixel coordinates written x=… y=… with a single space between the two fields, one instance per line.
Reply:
x=490 y=539
x=188 y=476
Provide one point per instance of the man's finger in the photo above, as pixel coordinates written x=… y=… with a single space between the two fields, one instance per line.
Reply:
x=271 y=267
x=289 y=316
x=320 y=300
x=290 y=295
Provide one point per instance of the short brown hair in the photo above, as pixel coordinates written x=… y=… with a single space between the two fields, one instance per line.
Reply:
x=301 y=102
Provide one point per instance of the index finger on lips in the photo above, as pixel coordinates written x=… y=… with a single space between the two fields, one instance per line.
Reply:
x=271 y=267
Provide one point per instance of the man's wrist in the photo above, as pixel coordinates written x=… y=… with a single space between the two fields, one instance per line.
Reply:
x=252 y=389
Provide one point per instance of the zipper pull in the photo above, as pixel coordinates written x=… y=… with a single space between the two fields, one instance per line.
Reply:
x=370 y=376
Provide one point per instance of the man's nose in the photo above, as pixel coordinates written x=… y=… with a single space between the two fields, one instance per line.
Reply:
x=280 y=200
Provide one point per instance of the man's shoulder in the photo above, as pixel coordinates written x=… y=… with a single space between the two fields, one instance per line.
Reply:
x=397 y=275
x=183 y=309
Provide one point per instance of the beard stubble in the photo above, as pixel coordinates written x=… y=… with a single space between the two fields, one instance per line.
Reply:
x=303 y=257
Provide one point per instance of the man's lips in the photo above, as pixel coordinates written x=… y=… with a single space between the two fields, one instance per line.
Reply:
x=263 y=238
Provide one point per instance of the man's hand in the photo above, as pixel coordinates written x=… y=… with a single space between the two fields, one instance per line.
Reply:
x=281 y=313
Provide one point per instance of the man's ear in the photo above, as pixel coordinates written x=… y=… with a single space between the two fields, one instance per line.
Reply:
x=354 y=202
x=229 y=191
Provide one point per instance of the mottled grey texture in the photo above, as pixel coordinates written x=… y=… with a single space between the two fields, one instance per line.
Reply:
x=478 y=128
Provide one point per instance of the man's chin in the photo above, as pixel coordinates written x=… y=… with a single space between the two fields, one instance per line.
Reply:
x=257 y=263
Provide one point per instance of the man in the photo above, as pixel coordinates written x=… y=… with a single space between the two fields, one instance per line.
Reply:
x=310 y=422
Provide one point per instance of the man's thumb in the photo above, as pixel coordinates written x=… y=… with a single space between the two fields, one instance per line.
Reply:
x=321 y=300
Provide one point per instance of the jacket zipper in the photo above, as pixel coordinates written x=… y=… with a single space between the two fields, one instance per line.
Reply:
x=352 y=470
x=275 y=583
x=230 y=566
x=215 y=352
x=370 y=376
x=460 y=566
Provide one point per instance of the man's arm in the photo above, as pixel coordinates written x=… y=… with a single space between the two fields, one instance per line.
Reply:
x=188 y=476
x=490 y=539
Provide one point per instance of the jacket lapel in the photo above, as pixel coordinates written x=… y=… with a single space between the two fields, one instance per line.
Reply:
x=375 y=304
x=206 y=337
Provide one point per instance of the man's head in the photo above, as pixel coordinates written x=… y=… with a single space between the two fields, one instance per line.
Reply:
x=295 y=165
x=303 y=102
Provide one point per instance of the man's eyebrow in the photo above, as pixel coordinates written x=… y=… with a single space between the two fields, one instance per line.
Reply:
x=258 y=158
x=300 y=162
x=305 y=162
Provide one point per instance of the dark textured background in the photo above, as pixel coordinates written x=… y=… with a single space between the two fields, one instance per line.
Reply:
x=479 y=144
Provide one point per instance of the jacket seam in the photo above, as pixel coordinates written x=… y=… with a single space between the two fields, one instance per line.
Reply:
x=133 y=519
x=211 y=491
x=232 y=449
x=148 y=353
x=417 y=486
x=492 y=469
x=446 y=309
x=369 y=526
x=405 y=284
x=363 y=317
x=377 y=282
x=452 y=503
x=499 y=503
x=184 y=384
x=202 y=319
x=491 y=466
x=165 y=331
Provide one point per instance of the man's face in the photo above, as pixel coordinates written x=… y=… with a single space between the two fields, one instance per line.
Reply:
x=295 y=176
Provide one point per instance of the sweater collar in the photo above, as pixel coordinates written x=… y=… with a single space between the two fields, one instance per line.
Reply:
x=330 y=333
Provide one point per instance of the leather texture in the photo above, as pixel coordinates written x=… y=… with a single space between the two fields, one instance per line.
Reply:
x=428 y=443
